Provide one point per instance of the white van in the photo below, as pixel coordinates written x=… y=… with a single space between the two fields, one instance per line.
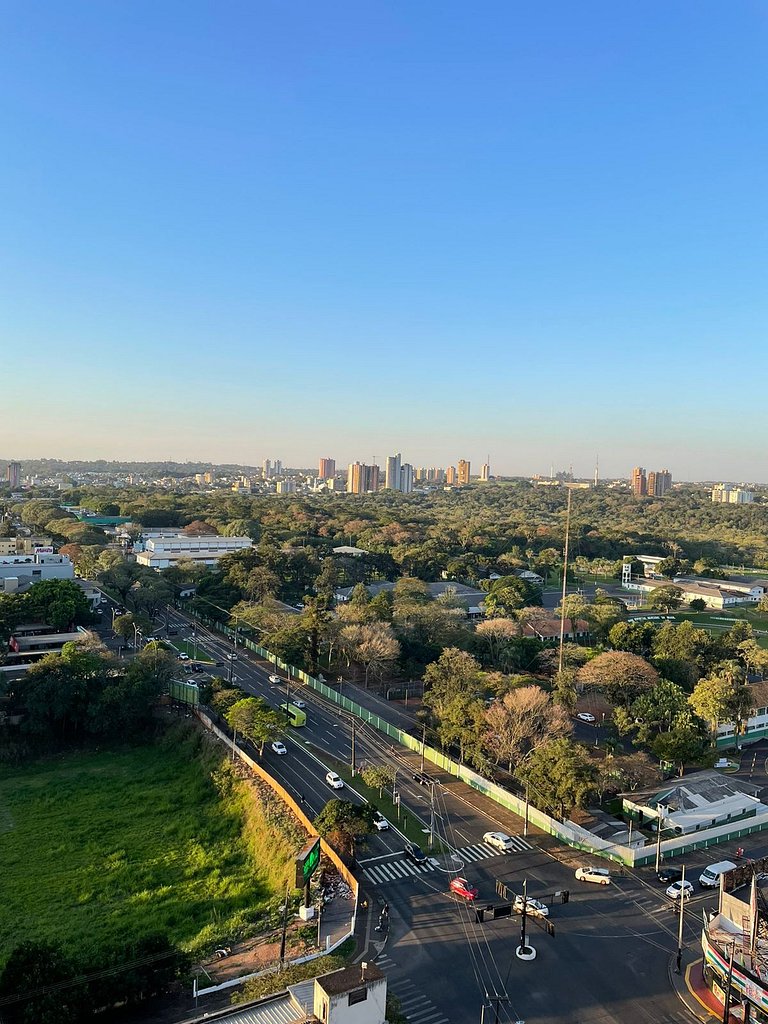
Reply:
x=710 y=876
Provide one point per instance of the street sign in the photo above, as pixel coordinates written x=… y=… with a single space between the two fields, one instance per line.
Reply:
x=307 y=862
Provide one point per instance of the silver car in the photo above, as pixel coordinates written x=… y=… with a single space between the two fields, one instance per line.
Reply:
x=499 y=841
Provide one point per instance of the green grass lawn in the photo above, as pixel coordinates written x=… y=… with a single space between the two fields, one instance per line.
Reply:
x=97 y=848
x=187 y=647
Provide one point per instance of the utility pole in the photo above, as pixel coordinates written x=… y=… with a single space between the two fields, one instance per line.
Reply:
x=565 y=581
x=525 y=823
x=658 y=844
x=423 y=745
x=432 y=814
x=680 y=923
x=353 y=748
x=727 y=1000
x=285 y=927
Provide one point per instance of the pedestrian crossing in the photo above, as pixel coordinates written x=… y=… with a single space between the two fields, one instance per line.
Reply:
x=396 y=870
x=413 y=1003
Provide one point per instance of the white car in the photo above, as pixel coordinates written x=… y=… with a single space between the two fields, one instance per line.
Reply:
x=380 y=823
x=584 y=716
x=533 y=906
x=600 y=876
x=499 y=841
x=298 y=703
x=334 y=781
x=183 y=657
x=275 y=679
x=231 y=657
x=279 y=748
x=677 y=888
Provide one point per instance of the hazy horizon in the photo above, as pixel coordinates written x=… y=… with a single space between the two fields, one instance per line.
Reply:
x=538 y=234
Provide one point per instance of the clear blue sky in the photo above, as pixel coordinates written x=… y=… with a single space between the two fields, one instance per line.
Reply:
x=237 y=230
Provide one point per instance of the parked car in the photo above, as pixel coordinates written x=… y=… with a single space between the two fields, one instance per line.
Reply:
x=584 y=716
x=499 y=841
x=462 y=888
x=275 y=679
x=334 y=781
x=710 y=876
x=415 y=853
x=380 y=823
x=279 y=748
x=535 y=907
x=669 y=875
x=600 y=876
x=680 y=888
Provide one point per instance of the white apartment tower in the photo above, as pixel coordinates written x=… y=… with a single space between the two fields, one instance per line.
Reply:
x=392 y=475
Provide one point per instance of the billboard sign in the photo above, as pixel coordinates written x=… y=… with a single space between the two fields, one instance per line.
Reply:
x=307 y=863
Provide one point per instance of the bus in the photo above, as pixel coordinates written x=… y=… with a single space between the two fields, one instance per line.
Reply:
x=296 y=717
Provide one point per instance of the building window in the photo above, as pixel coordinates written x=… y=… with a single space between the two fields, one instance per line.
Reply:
x=358 y=996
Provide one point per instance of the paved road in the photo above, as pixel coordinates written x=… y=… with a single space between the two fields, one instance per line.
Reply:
x=608 y=961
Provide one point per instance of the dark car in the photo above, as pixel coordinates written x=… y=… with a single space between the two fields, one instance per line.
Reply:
x=669 y=875
x=422 y=779
x=415 y=853
x=197 y=668
x=173 y=632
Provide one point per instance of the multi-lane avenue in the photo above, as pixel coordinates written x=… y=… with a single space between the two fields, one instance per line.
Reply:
x=608 y=960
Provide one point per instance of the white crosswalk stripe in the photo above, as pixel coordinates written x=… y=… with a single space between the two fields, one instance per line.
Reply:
x=395 y=870
x=417 y=1007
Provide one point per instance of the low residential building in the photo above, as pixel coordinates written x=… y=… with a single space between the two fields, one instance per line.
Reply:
x=549 y=630
x=351 y=995
x=697 y=802
x=349 y=549
x=162 y=552
x=754 y=727
x=723 y=494
x=18 y=571
x=714 y=593
x=31 y=641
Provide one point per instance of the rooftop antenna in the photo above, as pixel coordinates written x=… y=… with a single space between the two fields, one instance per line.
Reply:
x=597 y=470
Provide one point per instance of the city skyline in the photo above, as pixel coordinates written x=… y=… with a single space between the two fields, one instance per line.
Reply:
x=212 y=229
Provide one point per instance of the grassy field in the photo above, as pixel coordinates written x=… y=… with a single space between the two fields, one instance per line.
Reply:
x=187 y=647
x=99 y=847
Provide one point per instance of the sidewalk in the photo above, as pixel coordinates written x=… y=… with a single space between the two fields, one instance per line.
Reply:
x=692 y=991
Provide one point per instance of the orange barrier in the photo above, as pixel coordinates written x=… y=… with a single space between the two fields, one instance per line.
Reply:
x=287 y=799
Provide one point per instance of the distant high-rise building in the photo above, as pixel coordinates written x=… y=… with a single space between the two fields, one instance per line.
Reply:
x=362 y=478
x=326 y=469
x=420 y=474
x=266 y=469
x=199 y=478
x=639 y=482
x=277 y=469
x=722 y=493
x=485 y=472
x=286 y=486
x=208 y=478
x=451 y=476
x=463 y=472
x=659 y=482
x=406 y=478
x=13 y=474
x=392 y=475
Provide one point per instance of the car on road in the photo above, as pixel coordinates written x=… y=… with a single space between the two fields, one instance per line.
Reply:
x=334 y=781
x=532 y=906
x=298 y=703
x=415 y=853
x=279 y=748
x=669 y=875
x=183 y=657
x=600 y=876
x=231 y=657
x=103 y=600
x=151 y=639
x=197 y=668
x=422 y=779
x=584 y=716
x=499 y=841
x=275 y=679
x=172 y=632
x=461 y=887
x=677 y=888
x=380 y=823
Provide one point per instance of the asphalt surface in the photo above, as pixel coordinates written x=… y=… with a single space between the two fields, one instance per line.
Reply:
x=608 y=960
